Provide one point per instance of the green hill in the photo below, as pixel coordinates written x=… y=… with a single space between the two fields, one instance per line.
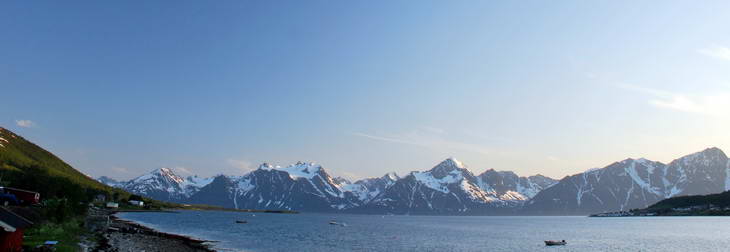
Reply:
x=28 y=166
x=19 y=155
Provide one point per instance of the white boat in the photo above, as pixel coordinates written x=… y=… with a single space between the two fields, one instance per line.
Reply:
x=338 y=223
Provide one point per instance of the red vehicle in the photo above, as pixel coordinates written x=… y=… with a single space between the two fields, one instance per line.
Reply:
x=24 y=197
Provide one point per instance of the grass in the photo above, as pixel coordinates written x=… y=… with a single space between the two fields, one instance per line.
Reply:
x=67 y=234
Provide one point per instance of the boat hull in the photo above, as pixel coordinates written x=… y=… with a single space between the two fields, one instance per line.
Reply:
x=555 y=243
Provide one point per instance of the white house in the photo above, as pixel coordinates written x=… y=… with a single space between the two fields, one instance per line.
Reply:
x=112 y=205
x=138 y=203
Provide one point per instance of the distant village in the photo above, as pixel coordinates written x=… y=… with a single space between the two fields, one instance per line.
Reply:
x=704 y=209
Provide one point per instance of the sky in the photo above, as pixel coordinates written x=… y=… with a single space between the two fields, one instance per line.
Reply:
x=119 y=88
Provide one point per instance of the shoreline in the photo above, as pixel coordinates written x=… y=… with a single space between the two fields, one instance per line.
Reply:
x=124 y=235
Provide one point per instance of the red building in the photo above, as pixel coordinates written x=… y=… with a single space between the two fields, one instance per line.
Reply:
x=11 y=230
x=24 y=196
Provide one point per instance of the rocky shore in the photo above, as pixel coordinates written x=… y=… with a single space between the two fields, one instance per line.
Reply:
x=123 y=236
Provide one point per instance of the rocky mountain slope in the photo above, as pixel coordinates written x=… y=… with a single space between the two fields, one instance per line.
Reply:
x=163 y=184
x=449 y=188
x=308 y=187
x=634 y=183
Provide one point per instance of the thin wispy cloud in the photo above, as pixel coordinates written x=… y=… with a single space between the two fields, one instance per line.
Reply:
x=120 y=170
x=434 y=129
x=386 y=139
x=719 y=52
x=183 y=171
x=715 y=104
x=241 y=165
x=428 y=138
x=349 y=175
x=25 y=123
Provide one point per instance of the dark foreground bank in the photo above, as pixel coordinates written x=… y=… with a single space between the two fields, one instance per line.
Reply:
x=121 y=235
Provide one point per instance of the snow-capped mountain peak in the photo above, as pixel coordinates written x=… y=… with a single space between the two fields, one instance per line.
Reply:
x=369 y=188
x=705 y=157
x=510 y=186
x=452 y=162
x=391 y=176
x=438 y=181
x=266 y=166
x=636 y=183
x=302 y=170
x=160 y=173
x=295 y=171
x=449 y=171
x=447 y=167
x=341 y=181
x=161 y=183
x=109 y=181
x=447 y=187
x=198 y=182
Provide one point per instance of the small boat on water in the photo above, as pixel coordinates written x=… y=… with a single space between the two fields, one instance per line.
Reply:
x=338 y=223
x=241 y=221
x=555 y=243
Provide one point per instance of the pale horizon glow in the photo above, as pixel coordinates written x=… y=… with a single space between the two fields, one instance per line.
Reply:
x=365 y=88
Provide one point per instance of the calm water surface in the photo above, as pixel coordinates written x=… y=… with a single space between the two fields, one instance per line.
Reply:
x=311 y=232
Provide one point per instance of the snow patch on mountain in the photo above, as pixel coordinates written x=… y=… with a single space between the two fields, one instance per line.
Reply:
x=635 y=183
x=475 y=193
x=392 y=176
x=440 y=184
x=196 y=181
x=295 y=171
x=308 y=187
x=244 y=185
x=633 y=173
x=513 y=196
x=110 y=181
x=369 y=188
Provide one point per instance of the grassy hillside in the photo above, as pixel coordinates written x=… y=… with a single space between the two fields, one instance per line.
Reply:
x=28 y=166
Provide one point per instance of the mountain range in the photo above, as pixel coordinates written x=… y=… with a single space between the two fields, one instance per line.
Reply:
x=449 y=188
x=634 y=183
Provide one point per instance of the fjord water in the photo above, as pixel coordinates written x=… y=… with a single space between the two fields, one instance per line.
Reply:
x=312 y=232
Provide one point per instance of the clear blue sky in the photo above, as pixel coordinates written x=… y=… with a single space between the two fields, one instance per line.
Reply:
x=119 y=88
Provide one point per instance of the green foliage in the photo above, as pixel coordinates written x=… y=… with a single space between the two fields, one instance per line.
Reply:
x=135 y=197
x=66 y=233
x=63 y=190
x=60 y=210
x=18 y=155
